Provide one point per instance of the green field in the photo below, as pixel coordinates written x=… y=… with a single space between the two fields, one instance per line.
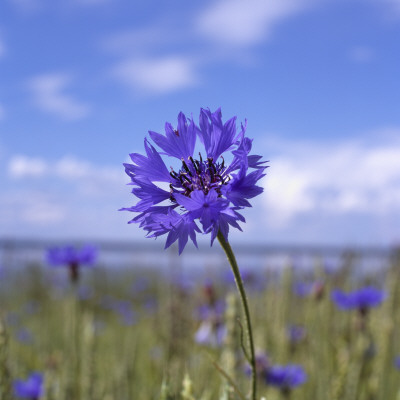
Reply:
x=130 y=334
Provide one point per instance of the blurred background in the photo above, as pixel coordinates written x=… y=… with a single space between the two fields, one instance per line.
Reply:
x=81 y=83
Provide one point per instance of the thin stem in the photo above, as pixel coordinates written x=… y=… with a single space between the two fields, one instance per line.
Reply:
x=239 y=283
x=242 y=342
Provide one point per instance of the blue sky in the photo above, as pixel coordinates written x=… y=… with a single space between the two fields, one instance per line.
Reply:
x=81 y=83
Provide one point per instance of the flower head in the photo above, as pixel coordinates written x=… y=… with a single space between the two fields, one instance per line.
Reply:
x=296 y=333
x=31 y=388
x=263 y=363
x=396 y=362
x=212 y=329
x=203 y=188
x=211 y=334
x=362 y=299
x=72 y=257
x=285 y=377
x=67 y=255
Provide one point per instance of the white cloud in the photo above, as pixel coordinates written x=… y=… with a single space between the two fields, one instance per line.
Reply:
x=23 y=167
x=30 y=206
x=65 y=197
x=68 y=168
x=157 y=75
x=350 y=178
x=43 y=212
x=242 y=23
x=68 y=196
x=48 y=95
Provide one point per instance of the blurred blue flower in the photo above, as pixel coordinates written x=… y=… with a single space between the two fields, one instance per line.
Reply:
x=212 y=330
x=24 y=335
x=286 y=377
x=211 y=311
x=302 y=289
x=296 y=333
x=211 y=333
x=397 y=362
x=124 y=310
x=206 y=190
x=31 y=388
x=362 y=299
x=305 y=289
x=262 y=364
x=72 y=257
x=67 y=255
x=150 y=305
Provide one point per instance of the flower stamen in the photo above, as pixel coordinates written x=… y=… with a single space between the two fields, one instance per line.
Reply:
x=199 y=175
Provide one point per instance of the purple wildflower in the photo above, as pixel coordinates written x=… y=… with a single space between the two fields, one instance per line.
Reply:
x=285 y=377
x=305 y=289
x=31 y=389
x=24 y=335
x=362 y=299
x=302 y=289
x=125 y=312
x=72 y=258
x=213 y=311
x=296 y=333
x=212 y=330
x=263 y=363
x=396 y=362
x=206 y=189
x=211 y=333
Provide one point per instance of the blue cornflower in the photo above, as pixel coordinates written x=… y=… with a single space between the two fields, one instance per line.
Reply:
x=31 y=388
x=124 y=310
x=212 y=329
x=362 y=299
x=211 y=333
x=396 y=362
x=24 y=335
x=72 y=257
x=296 y=333
x=263 y=363
x=207 y=190
x=304 y=289
x=285 y=377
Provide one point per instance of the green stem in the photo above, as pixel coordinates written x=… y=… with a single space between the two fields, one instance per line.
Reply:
x=239 y=283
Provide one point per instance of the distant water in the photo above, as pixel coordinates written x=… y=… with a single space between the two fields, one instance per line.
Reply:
x=150 y=254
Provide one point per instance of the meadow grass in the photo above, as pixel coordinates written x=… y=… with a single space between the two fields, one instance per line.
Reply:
x=130 y=335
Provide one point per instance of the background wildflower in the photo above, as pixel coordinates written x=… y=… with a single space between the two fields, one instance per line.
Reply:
x=31 y=388
x=72 y=257
x=396 y=362
x=362 y=299
x=286 y=377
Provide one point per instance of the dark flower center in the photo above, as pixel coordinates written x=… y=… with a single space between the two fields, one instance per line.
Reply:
x=198 y=175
